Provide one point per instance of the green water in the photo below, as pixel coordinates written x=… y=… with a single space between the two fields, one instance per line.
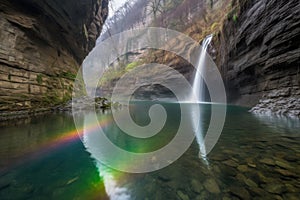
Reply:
x=255 y=158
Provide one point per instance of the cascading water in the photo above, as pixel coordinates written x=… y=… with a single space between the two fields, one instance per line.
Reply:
x=198 y=96
x=198 y=84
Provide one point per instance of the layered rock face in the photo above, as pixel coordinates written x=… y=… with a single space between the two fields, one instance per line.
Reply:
x=43 y=43
x=260 y=56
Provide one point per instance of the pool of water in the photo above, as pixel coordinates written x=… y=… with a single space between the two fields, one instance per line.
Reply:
x=255 y=157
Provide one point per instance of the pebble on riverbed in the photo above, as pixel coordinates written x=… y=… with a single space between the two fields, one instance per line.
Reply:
x=212 y=186
x=182 y=195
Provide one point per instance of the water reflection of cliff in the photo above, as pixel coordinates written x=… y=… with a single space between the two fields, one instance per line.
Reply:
x=17 y=142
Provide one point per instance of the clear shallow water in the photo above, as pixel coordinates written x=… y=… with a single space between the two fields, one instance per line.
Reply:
x=255 y=157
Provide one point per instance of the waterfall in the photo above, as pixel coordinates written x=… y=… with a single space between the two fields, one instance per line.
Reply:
x=198 y=84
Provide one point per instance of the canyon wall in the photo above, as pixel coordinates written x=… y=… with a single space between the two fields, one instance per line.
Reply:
x=43 y=43
x=256 y=47
x=195 y=19
x=260 y=56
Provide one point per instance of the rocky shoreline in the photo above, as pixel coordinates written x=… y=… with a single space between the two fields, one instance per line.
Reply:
x=276 y=103
x=20 y=116
x=84 y=103
x=282 y=102
x=80 y=104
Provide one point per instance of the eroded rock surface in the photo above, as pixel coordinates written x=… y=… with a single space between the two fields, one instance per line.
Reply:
x=261 y=56
x=42 y=46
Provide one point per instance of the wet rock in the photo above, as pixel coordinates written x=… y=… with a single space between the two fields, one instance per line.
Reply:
x=218 y=157
x=21 y=116
x=182 y=196
x=277 y=197
x=240 y=192
x=291 y=196
x=283 y=164
x=250 y=162
x=291 y=188
x=291 y=158
x=251 y=165
x=243 y=168
x=228 y=171
x=241 y=177
x=164 y=177
x=267 y=161
x=85 y=103
x=230 y=163
x=275 y=188
x=250 y=183
x=281 y=105
x=203 y=195
x=286 y=173
x=263 y=178
x=196 y=186
x=216 y=169
x=258 y=192
x=173 y=184
x=212 y=186
x=230 y=151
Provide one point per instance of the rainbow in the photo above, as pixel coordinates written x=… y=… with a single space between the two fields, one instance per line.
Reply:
x=70 y=136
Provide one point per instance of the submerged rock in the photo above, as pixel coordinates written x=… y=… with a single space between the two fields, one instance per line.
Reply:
x=240 y=192
x=250 y=183
x=228 y=171
x=283 y=164
x=242 y=168
x=267 y=161
x=251 y=165
x=240 y=177
x=196 y=186
x=230 y=163
x=291 y=196
x=164 y=177
x=212 y=186
x=182 y=195
x=259 y=192
x=275 y=188
x=286 y=173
